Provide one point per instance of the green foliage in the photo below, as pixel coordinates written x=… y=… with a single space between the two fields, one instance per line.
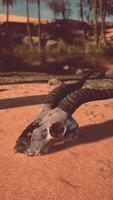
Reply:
x=101 y=50
x=91 y=48
x=107 y=49
x=29 y=55
x=7 y=2
x=62 y=46
x=62 y=7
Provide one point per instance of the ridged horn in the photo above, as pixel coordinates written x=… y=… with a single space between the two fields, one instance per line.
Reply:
x=57 y=94
x=71 y=102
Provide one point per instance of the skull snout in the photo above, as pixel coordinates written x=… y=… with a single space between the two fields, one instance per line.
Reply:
x=43 y=139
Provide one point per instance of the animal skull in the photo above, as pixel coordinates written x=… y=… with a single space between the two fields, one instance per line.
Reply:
x=55 y=122
x=54 y=126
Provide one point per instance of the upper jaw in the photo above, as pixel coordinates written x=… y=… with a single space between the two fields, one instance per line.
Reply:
x=38 y=152
x=20 y=148
x=21 y=145
x=40 y=147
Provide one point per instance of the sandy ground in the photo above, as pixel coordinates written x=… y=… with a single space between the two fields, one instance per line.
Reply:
x=83 y=171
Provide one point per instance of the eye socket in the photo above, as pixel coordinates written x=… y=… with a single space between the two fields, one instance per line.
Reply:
x=57 y=129
x=44 y=134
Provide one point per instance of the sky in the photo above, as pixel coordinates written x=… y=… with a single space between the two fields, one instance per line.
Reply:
x=19 y=8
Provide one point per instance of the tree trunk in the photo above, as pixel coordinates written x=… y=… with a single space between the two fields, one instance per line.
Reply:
x=95 y=22
x=7 y=18
x=82 y=17
x=28 y=23
x=39 y=24
x=54 y=12
x=63 y=10
x=102 y=15
x=63 y=14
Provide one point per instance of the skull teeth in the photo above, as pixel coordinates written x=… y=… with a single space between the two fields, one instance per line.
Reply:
x=32 y=153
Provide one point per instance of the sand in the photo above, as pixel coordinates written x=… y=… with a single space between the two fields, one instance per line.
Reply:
x=83 y=171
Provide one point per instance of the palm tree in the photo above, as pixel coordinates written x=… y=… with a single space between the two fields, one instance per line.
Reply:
x=81 y=12
x=96 y=21
x=7 y=4
x=53 y=6
x=102 y=16
x=65 y=8
x=54 y=9
x=39 y=23
x=28 y=22
x=106 y=9
x=60 y=7
x=92 y=13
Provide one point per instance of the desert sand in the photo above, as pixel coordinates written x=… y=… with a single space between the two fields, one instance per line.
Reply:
x=15 y=18
x=81 y=171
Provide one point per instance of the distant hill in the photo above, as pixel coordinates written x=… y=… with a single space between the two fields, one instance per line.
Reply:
x=65 y=29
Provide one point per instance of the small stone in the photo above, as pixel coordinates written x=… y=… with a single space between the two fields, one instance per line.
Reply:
x=54 y=82
x=109 y=73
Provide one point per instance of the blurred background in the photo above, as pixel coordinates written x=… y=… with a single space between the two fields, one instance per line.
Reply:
x=57 y=37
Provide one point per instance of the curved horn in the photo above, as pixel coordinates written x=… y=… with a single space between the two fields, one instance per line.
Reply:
x=55 y=96
x=71 y=102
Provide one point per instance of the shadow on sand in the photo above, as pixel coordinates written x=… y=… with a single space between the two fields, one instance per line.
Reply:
x=21 y=101
x=3 y=90
x=87 y=134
